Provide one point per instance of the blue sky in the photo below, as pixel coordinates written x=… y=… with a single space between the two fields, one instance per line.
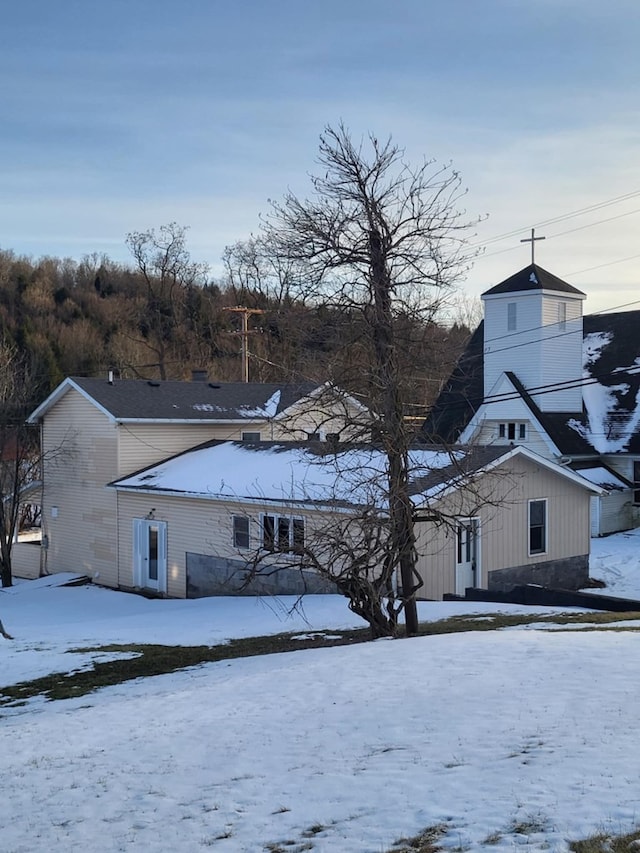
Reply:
x=128 y=114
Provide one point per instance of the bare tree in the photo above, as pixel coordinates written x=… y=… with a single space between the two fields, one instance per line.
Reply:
x=169 y=274
x=380 y=239
x=19 y=450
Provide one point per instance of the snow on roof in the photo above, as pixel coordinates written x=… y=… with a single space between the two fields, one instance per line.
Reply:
x=601 y=476
x=282 y=472
x=612 y=410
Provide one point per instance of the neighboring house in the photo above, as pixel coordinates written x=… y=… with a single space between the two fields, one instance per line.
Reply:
x=488 y=517
x=96 y=430
x=539 y=374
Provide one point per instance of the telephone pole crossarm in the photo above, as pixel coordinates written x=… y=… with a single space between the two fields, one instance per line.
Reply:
x=245 y=313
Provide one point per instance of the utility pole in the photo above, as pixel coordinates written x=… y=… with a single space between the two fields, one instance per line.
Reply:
x=245 y=313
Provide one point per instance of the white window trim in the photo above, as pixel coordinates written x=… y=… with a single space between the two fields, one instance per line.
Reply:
x=233 y=531
x=276 y=517
x=545 y=550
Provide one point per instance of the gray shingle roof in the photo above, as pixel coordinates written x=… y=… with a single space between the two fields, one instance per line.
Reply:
x=532 y=277
x=139 y=399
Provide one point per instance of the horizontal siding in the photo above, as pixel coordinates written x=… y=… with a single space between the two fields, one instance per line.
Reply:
x=145 y=444
x=327 y=416
x=538 y=352
x=25 y=560
x=79 y=445
x=195 y=526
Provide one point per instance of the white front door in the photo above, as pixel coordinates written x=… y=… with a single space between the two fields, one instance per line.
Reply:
x=467 y=552
x=150 y=554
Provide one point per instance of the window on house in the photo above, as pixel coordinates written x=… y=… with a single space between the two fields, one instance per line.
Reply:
x=240 y=531
x=314 y=436
x=636 y=483
x=537 y=527
x=282 y=533
x=251 y=436
x=512 y=316
x=511 y=431
x=562 y=316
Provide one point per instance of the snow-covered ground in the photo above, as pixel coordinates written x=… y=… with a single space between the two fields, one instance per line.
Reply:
x=343 y=749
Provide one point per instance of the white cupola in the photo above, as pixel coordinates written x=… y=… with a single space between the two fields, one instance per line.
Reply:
x=533 y=328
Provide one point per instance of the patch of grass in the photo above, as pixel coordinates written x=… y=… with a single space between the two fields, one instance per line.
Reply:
x=424 y=842
x=605 y=843
x=529 y=825
x=144 y=660
x=493 y=838
x=495 y=621
x=315 y=829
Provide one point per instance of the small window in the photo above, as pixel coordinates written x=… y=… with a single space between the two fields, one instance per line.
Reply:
x=251 y=436
x=240 y=531
x=537 y=527
x=512 y=316
x=511 y=431
x=562 y=316
x=314 y=436
x=636 y=483
x=282 y=533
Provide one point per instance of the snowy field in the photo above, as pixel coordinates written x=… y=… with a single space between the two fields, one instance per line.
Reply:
x=517 y=739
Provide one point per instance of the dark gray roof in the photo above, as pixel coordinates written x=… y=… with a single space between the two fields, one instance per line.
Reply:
x=461 y=396
x=616 y=367
x=532 y=277
x=139 y=399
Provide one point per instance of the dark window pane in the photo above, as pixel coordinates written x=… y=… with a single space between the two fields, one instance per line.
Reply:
x=298 y=535
x=283 y=534
x=240 y=531
x=153 y=553
x=268 y=532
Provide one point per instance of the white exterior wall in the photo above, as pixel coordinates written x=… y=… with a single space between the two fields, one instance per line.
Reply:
x=502 y=507
x=78 y=513
x=144 y=444
x=537 y=351
x=195 y=526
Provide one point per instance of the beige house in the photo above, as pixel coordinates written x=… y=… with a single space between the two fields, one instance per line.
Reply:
x=193 y=525
x=94 y=431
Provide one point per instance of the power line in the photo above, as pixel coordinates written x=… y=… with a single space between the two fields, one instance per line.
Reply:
x=561 y=218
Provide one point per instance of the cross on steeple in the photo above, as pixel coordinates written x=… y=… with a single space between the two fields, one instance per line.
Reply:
x=532 y=240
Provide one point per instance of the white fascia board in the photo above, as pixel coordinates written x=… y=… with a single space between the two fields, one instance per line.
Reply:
x=460 y=482
x=58 y=393
x=318 y=392
x=560 y=470
x=559 y=294
x=484 y=413
x=201 y=496
x=201 y=421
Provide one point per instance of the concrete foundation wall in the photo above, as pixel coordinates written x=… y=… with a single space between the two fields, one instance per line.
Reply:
x=209 y=575
x=568 y=573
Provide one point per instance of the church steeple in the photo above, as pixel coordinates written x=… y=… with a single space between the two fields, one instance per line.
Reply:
x=533 y=328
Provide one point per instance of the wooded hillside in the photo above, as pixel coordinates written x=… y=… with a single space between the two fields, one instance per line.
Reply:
x=164 y=317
